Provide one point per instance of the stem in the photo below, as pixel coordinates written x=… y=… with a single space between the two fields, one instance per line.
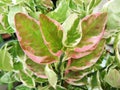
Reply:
x=10 y=86
x=59 y=66
x=1 y=40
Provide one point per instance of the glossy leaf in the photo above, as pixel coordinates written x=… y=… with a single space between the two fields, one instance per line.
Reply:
x=61 y=12
x=6 y=62
x=51 y=75
x=52 y=34
x=71 y=31
x=26 y=79
x=87 y=61
x=93 y=27
x=30 y=39
x=113 y=78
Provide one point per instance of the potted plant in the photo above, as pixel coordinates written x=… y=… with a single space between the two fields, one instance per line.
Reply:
x=60 y=45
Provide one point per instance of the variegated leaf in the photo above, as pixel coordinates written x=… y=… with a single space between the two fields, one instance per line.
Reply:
x=30 y=39
x=37 y=69
x=113 y=78
x=71 y=31
x=87 y=61
x=61 y=12
x=93 y=27
x=52 y=34
x=79 y=82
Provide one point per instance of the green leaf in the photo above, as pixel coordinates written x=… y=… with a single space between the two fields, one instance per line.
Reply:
x=93 y=27
x=58 y=87
x=78 y=82
x=61 y=12
x=33 y=47
x=7 y=78
x=6 y=62
x=22 y=87
x=37 y=69
x=89 y=60
x=52 y=33
x=71 y=31
x=44 y=88
x=72 y=76
x=116 y=47
x=113 y=78
x=26 y=79
x=18 y=66
x=13 y=10
x=91 y=4
x=51 y=75
x=47 y=3
x=95 y=83
x=113 y=21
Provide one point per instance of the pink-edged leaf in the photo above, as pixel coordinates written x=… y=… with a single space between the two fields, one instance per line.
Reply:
x=87 y=61
x=52 y=34
x=78 y=82
x=37 y=69
x=75 y=75
x=93 y=27
x=30 y=39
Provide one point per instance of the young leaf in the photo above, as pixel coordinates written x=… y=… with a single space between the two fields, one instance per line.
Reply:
x=71 y=31
x=61 y=12
x=89 y=60
x=113 y=78
x=92 y=31
x=30 y=39
x=6 y=62
x=51 y=75
x=52 y=34
x=26 y=79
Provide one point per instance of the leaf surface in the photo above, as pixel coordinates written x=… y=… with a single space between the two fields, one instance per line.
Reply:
x=72 y=31
x=51 y=75
x=93 y=27
x=6 y=62
x=87 y=61
x=113 y=78
x=13 y=10
x=26 y=79
x=30 y=39
x=61 y=12
x=52 y=34
x=113 y=21
x=37 y=69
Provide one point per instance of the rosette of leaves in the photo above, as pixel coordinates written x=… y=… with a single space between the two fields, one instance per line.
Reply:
x=61 y=51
